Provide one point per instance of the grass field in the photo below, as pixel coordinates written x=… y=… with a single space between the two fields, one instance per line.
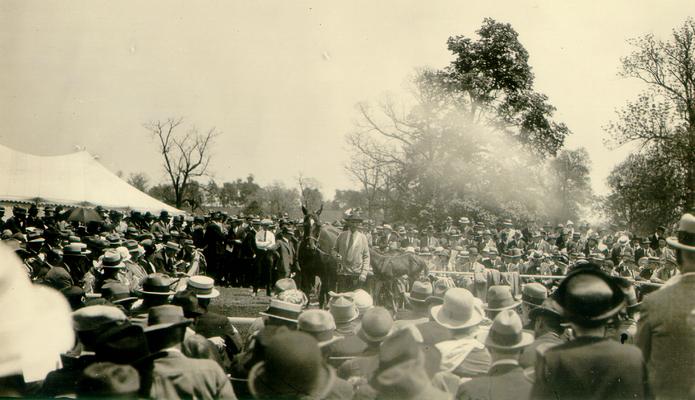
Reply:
x=237 y=302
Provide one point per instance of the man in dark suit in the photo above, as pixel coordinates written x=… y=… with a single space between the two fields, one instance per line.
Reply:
x=547 y=328
x=505 y=379
x=591 y=366
x=656 y=236
x=666 y=328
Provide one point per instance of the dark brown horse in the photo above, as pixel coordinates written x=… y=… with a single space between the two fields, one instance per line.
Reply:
x=388 y=268
x=314 y=255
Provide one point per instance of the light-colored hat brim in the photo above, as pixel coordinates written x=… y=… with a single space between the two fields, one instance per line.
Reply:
x=212 y=295
x=526 y=339
x=265 y=314
x=513 y=305
x=673 y=242
x=439 y=317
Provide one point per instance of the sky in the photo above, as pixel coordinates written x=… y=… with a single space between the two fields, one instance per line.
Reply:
x=280 y=79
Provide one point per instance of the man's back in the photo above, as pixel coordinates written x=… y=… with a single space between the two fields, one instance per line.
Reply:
x=590 y=368
x=666 y=336
x=503 y=381
x=177 y=376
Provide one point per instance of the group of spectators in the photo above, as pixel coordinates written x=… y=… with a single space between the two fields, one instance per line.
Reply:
x=121 y=307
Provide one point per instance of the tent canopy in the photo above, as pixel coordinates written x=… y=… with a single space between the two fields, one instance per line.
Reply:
x=71 y=179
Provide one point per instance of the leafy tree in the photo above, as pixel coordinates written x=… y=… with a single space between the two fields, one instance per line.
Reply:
x=473 y=139
x=186 y=154
x=139 y=181
x=571 y=183
x=645 y=192
x=662 y=119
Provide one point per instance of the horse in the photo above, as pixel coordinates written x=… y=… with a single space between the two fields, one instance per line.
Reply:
x=388 y=268
x=314 y=255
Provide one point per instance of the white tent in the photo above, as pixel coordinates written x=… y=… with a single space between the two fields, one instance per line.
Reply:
x=70 y=179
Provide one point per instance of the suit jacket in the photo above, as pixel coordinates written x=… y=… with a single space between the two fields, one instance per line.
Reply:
x=539 y=346
x=503 y=381
x=287 y=258
x=162 y=264
x=408 y=241
x=665 y=335
x=591 y=368
x=176 y=376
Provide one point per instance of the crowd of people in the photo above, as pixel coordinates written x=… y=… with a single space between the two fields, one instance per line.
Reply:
x=502 y=311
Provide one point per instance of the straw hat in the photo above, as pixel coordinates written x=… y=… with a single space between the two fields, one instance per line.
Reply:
x=202 y=286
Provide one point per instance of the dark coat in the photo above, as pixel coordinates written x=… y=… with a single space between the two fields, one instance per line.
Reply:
x=287 y=259
x=212 y=324
x=539 y=346
x=591 y=368
x=504 y=381
x=665 y=336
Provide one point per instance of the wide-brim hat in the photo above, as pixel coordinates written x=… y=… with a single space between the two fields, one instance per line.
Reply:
x=685 y=239
x=458 y=311
x=549 y=307
x=419 y=292
x=261 y=386
x=587 y=295
x=499 y=298
x=112 y=259
x=202 y=286
x=506 y=333
x=165 y=317
x=534 y=294
x=157 y=284
x=282 y=310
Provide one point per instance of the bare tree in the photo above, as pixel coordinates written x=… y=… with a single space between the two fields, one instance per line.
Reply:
x=139 y=181
x=186 y=153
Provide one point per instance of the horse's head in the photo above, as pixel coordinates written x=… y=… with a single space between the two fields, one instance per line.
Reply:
x=312 y=225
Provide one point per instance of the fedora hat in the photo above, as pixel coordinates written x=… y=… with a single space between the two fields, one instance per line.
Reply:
x=111 y=259
x=157 y=284
x=117 y=293
x=376 y=325
x=105 y=380
x=282 y=310
x=122 y=344
x=506 y=332
x=93 y=318
x=685 y=239
x=76 y=249
x=458 y=310
x=319 y=324
x=534 y=294
x=549 y=307
x=292 y=367
x=587 y=296
x=499 y=297
x=165 y=317
x=420 y=292
x=343 y=309
x=202 y=286
x=189 y=303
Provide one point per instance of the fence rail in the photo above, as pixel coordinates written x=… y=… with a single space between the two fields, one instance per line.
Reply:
x=550 y=277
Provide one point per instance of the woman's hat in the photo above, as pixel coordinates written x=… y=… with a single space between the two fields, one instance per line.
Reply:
x=685 y=239
x=165 y=317
x=506 y=332
x=500 y=298
x=458 y=311
x=588 y=296
x=419 y=292
x=283 y=310
x=202 y=286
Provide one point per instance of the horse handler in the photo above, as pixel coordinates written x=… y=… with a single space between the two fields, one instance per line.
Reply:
x=352 y=252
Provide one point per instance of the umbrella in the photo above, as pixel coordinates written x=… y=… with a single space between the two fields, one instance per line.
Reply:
x=84 y=215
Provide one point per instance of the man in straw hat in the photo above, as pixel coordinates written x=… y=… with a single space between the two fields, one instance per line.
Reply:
x=666 y=328
x=505 y=379
x=175 y=375
x=588 y=299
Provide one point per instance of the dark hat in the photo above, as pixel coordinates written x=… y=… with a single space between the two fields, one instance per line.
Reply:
x=292 y=367
x=108 y=380
x=157 y=284
x=420 y=291
x=506 y=332
x=587 y=296
x=122 y=344
x=534 y=293
x=500 y=298
x=685 y=239
x=117 y=293
x=165 y=317
x=189 y=303
x=283 y=310
x=549 y=307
